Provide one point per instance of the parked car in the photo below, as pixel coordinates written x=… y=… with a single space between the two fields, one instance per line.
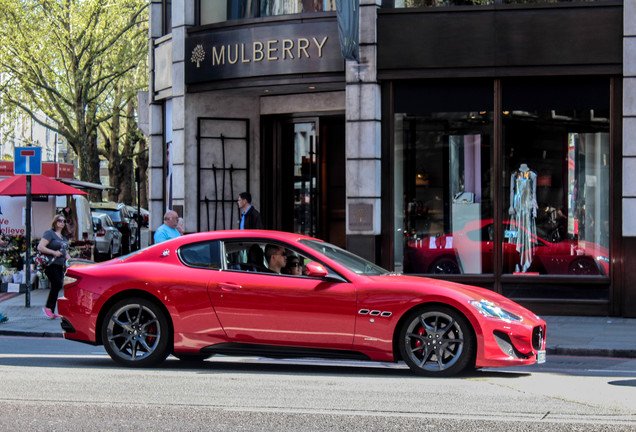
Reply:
x=123 y=220
x=141 y=215
x=211 y=292
x=145 y=214
x=443 y=254
x=107 y=237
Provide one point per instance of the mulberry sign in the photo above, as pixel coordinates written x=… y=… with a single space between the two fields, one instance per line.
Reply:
x=259 y=51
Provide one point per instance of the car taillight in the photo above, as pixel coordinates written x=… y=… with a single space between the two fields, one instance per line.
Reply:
x=69 y=281
x=101 y=233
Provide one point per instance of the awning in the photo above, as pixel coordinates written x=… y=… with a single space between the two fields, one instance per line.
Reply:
x=84 y=184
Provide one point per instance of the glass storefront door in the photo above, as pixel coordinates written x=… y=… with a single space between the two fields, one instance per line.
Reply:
x=303 y=181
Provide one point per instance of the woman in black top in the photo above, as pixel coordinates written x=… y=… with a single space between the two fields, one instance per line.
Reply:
x=55 y=243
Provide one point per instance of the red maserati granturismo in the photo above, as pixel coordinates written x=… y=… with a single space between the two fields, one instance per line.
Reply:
x=281 y=295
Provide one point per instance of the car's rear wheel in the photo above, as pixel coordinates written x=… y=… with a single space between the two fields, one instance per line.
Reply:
x=437 y=341
x=135 y=332
x=445 y=265
x=583 y=266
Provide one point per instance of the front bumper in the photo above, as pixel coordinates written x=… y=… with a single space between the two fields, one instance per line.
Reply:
x=509 y=344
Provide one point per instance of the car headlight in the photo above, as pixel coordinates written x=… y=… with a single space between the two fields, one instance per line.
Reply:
x=492 y=310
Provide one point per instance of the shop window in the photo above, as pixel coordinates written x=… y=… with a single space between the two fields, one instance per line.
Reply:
x=167 y=17
x=556 y=160
x=443 y=171
x=214 y=11
x=446 y=3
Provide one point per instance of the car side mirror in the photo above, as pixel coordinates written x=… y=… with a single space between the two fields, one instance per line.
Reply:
x=315 y=269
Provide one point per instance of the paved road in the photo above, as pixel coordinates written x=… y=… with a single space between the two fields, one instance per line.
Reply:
x=53 y=384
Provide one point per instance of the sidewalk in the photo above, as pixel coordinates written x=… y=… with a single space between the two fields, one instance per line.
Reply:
x=566 y=335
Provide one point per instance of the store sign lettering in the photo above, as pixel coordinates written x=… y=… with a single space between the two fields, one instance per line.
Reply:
x=263 y=51
x=272 y=50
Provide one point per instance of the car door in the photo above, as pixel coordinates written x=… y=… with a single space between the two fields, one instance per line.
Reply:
x=116 y=235
x=271 y=308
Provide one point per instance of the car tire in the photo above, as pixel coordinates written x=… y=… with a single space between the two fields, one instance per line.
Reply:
x=583 y=266
x=444 y=265
x=437 y=341
x=135 y=333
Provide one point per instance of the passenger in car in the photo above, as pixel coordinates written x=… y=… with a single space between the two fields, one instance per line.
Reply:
x=275 y=256
x=293 y=267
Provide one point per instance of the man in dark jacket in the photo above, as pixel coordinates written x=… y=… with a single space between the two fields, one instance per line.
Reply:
x=250 y=217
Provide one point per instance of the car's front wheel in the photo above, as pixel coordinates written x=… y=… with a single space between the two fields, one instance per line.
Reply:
x=135 y=332
x=437 y=341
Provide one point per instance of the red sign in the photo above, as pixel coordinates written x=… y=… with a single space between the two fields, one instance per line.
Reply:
x=49 y=169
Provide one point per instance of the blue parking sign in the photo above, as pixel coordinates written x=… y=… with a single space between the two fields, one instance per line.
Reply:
x=27 y=160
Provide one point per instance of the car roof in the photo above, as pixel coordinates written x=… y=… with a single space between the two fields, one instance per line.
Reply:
x=108 y=205
x=238 y=235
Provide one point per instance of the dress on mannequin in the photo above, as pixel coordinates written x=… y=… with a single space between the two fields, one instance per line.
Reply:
x=523 y=206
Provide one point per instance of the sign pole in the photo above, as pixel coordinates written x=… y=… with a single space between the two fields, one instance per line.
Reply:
x=27 y=270
x=27 y=161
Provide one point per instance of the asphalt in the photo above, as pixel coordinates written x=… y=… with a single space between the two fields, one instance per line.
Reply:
x=566 y=335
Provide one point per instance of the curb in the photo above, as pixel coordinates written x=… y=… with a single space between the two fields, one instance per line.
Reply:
x=34 y=334
x=591 y=352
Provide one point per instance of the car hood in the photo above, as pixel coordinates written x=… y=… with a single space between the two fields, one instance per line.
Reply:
x=437 y=287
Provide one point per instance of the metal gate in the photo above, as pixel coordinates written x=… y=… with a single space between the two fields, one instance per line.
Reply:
x=223 y=170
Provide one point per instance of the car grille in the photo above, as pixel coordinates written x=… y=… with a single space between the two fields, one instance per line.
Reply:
x=538 y=335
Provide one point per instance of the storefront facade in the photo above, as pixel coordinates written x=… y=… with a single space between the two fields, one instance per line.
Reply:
x=478 y=143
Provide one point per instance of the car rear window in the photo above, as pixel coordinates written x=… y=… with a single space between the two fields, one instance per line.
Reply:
x=202 y=254
x=114 y=214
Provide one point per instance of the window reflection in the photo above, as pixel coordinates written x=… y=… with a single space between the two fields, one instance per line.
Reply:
x=446 y=3
x=554 y=185
x=561 y=225
x=444 y=163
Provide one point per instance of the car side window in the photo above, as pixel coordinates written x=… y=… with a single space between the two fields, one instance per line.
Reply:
x=250 y=256
x=245 y=256
x=201 y=254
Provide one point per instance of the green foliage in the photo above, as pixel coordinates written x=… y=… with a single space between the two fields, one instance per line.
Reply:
x=67 y=59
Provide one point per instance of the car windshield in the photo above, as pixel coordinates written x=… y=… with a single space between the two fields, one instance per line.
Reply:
x=352 y=262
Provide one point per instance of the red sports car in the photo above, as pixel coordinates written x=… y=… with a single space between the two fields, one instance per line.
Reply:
x=470 y=250
x=230 y=292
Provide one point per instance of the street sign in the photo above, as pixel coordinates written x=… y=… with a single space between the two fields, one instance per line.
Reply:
x=28 y=161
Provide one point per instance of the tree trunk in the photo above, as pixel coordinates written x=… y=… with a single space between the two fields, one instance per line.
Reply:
x=142 y=164
x=89 y=164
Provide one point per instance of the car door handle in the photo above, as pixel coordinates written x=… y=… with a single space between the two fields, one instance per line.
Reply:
x=229 y=286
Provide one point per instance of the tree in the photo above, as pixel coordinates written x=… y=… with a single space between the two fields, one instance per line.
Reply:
x=66 y=59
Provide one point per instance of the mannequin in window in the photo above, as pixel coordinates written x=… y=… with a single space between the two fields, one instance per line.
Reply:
x=523 y=206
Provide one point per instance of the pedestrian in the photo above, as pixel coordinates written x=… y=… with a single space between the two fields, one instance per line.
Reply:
x=168 y=230
x=181 y=226
x=55 y=244
x=250 y=217
x=3 y=244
